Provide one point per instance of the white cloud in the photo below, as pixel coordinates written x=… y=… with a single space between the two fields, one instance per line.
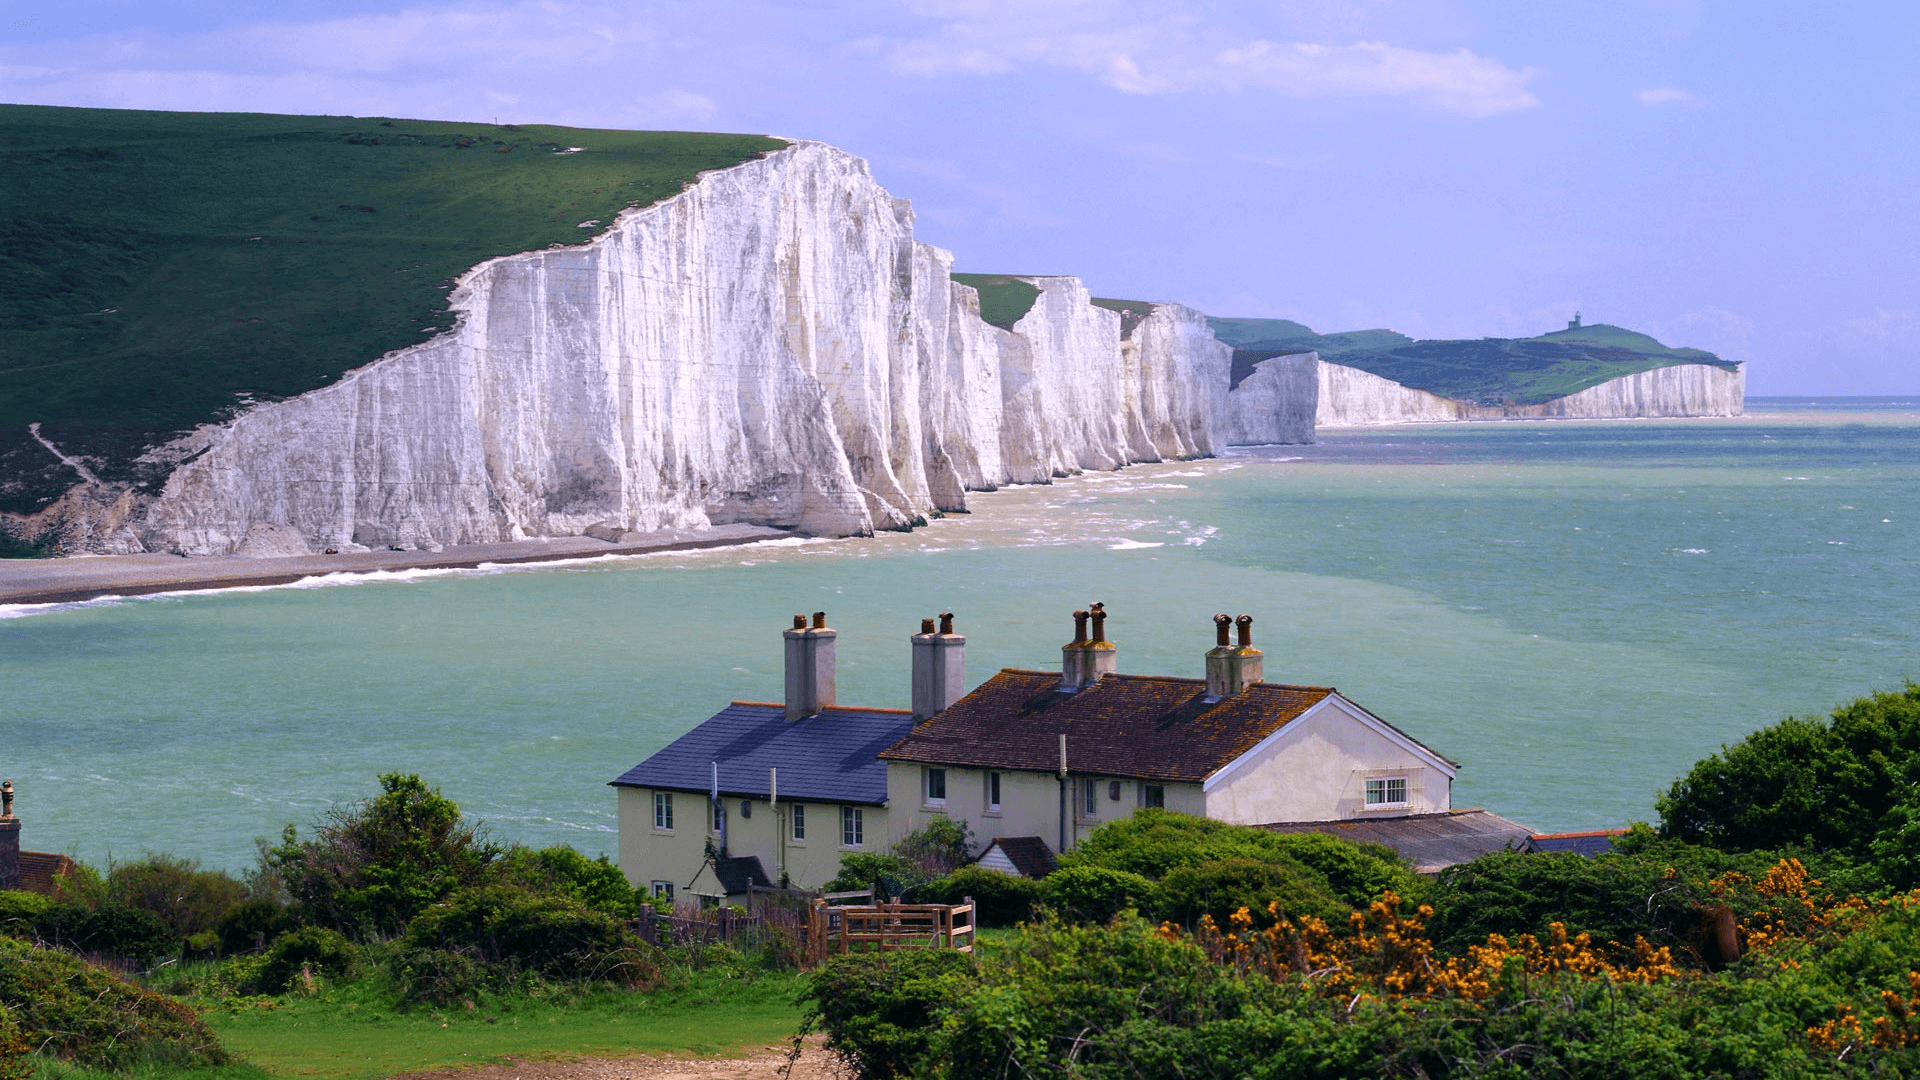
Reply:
x=1666 y=95
x=1148 y=52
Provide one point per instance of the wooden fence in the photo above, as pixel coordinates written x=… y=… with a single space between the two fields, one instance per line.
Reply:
x=885 y=927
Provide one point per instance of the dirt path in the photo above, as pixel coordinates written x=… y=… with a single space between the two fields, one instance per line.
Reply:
x=762 y=1064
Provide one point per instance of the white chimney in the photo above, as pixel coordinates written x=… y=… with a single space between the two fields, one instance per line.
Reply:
x=939 y=667
x=809 y=666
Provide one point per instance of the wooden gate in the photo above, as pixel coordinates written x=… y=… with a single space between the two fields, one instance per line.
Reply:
x=885 y=927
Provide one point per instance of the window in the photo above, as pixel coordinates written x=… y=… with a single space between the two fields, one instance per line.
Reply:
x=852 y=828
x=1154 y=795
x=936 y=787
x=1090 y=797
x=719 y=816
x=993 y=793
x=1387 y=791
x=663 y=810
x=663 y=889
x=799 y=821
x=746 y=809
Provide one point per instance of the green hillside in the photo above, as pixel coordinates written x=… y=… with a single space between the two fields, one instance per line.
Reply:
x=157 y=269
x=1505 y=371
x=1005 y=299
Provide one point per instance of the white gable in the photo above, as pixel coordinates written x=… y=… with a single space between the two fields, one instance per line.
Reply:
x=1317 y=768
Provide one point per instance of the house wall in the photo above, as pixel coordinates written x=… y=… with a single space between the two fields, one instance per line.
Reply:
x=1316 y=768
x=648 y=854
x=1029 y=803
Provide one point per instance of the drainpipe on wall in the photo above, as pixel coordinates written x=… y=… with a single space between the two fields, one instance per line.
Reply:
x=1065 y=803
x=779 y=821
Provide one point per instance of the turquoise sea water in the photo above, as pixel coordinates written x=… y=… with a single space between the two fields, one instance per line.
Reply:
x=1573 y=611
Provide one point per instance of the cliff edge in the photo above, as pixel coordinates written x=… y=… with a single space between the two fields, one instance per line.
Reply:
x=771 y=346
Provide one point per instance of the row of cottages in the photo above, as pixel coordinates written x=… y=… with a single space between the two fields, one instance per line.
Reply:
x=774 y=793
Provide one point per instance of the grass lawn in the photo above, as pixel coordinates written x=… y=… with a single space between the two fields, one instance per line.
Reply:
x=1004 y=298
x=344 y=1035
x=159 y=269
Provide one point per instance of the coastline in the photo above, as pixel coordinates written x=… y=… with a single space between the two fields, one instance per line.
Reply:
x=90 y=577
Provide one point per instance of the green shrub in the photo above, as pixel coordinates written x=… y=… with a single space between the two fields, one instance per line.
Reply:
x=1828 y=785
x=880 y=1010
x=1094 y=893
x=85 y=1014
x=937 y=849
x=556 y=936
x=1000 y=899
x=370 y=869
x=187 y=899
x=253 y=925
x=297 y=954
x=1153 y=843
x=18 y=910
x=893 y=874
x=596 y=883
x=1221 y=887
x=109 y=930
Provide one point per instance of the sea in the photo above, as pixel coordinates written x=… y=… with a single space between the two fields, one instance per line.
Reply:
x=1575 y=611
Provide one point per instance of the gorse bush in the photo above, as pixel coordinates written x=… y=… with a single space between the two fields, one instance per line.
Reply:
x=108 y=930
x=556 y=936
x=1223 y=886
x=84 y=1014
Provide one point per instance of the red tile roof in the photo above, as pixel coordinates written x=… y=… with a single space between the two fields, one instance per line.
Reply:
x=38 y=869
x=1147 y=726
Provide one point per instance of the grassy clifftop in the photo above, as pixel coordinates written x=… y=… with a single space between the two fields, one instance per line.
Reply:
x=158 y=269
x=1512 y=371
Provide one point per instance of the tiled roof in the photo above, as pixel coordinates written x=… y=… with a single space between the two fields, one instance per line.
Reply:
x=1148 y=726
x=1029 y=855
x=737 y=872
x=38 y=869
x=1589 y=843
x=824 y=758
x=1431 y=842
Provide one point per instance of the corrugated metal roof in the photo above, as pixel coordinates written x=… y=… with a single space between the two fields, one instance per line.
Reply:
x=1589 y=843
x=831 y=757
x=1149 y=726
x=1431 y=842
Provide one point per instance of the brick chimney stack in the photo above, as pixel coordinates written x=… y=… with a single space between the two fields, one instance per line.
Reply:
x=1231 y=669
x=9 y=839
x=1089 y=656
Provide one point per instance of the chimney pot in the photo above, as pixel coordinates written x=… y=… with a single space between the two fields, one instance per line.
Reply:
x=1220 y=624
x=1245 y=623
x=926 y=626
x=819 y=620
x=1099 y=622
x=946 y=622
x=799 y=622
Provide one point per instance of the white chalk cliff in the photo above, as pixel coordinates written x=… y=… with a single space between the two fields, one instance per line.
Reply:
x=771 y=346
x=1350 y=397
x=1278 y=402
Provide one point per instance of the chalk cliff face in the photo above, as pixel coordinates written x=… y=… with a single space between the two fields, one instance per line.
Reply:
x=771 y=346
x=1350 y=397
x=1277 y=403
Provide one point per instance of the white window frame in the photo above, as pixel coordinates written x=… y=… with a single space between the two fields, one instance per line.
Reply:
x=933 y=778
x=1153 y=795
x=853 y=827
x=1386 y=785
x=1090 y=798
x=662 y=888
x=797 y=822
x=719 y=815
x=991 y=795
x=663 y=811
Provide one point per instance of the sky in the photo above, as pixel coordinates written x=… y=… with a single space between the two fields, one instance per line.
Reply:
x=1733 y=176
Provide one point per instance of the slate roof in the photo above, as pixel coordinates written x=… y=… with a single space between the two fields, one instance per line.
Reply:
x=1030 y=855
x=1149 y=726
x=824 y=758
x=1431 y=842
x=1589 y=843
x=737 y=872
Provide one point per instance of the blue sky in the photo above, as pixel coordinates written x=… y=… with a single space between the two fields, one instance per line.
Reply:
x=1734 y=176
